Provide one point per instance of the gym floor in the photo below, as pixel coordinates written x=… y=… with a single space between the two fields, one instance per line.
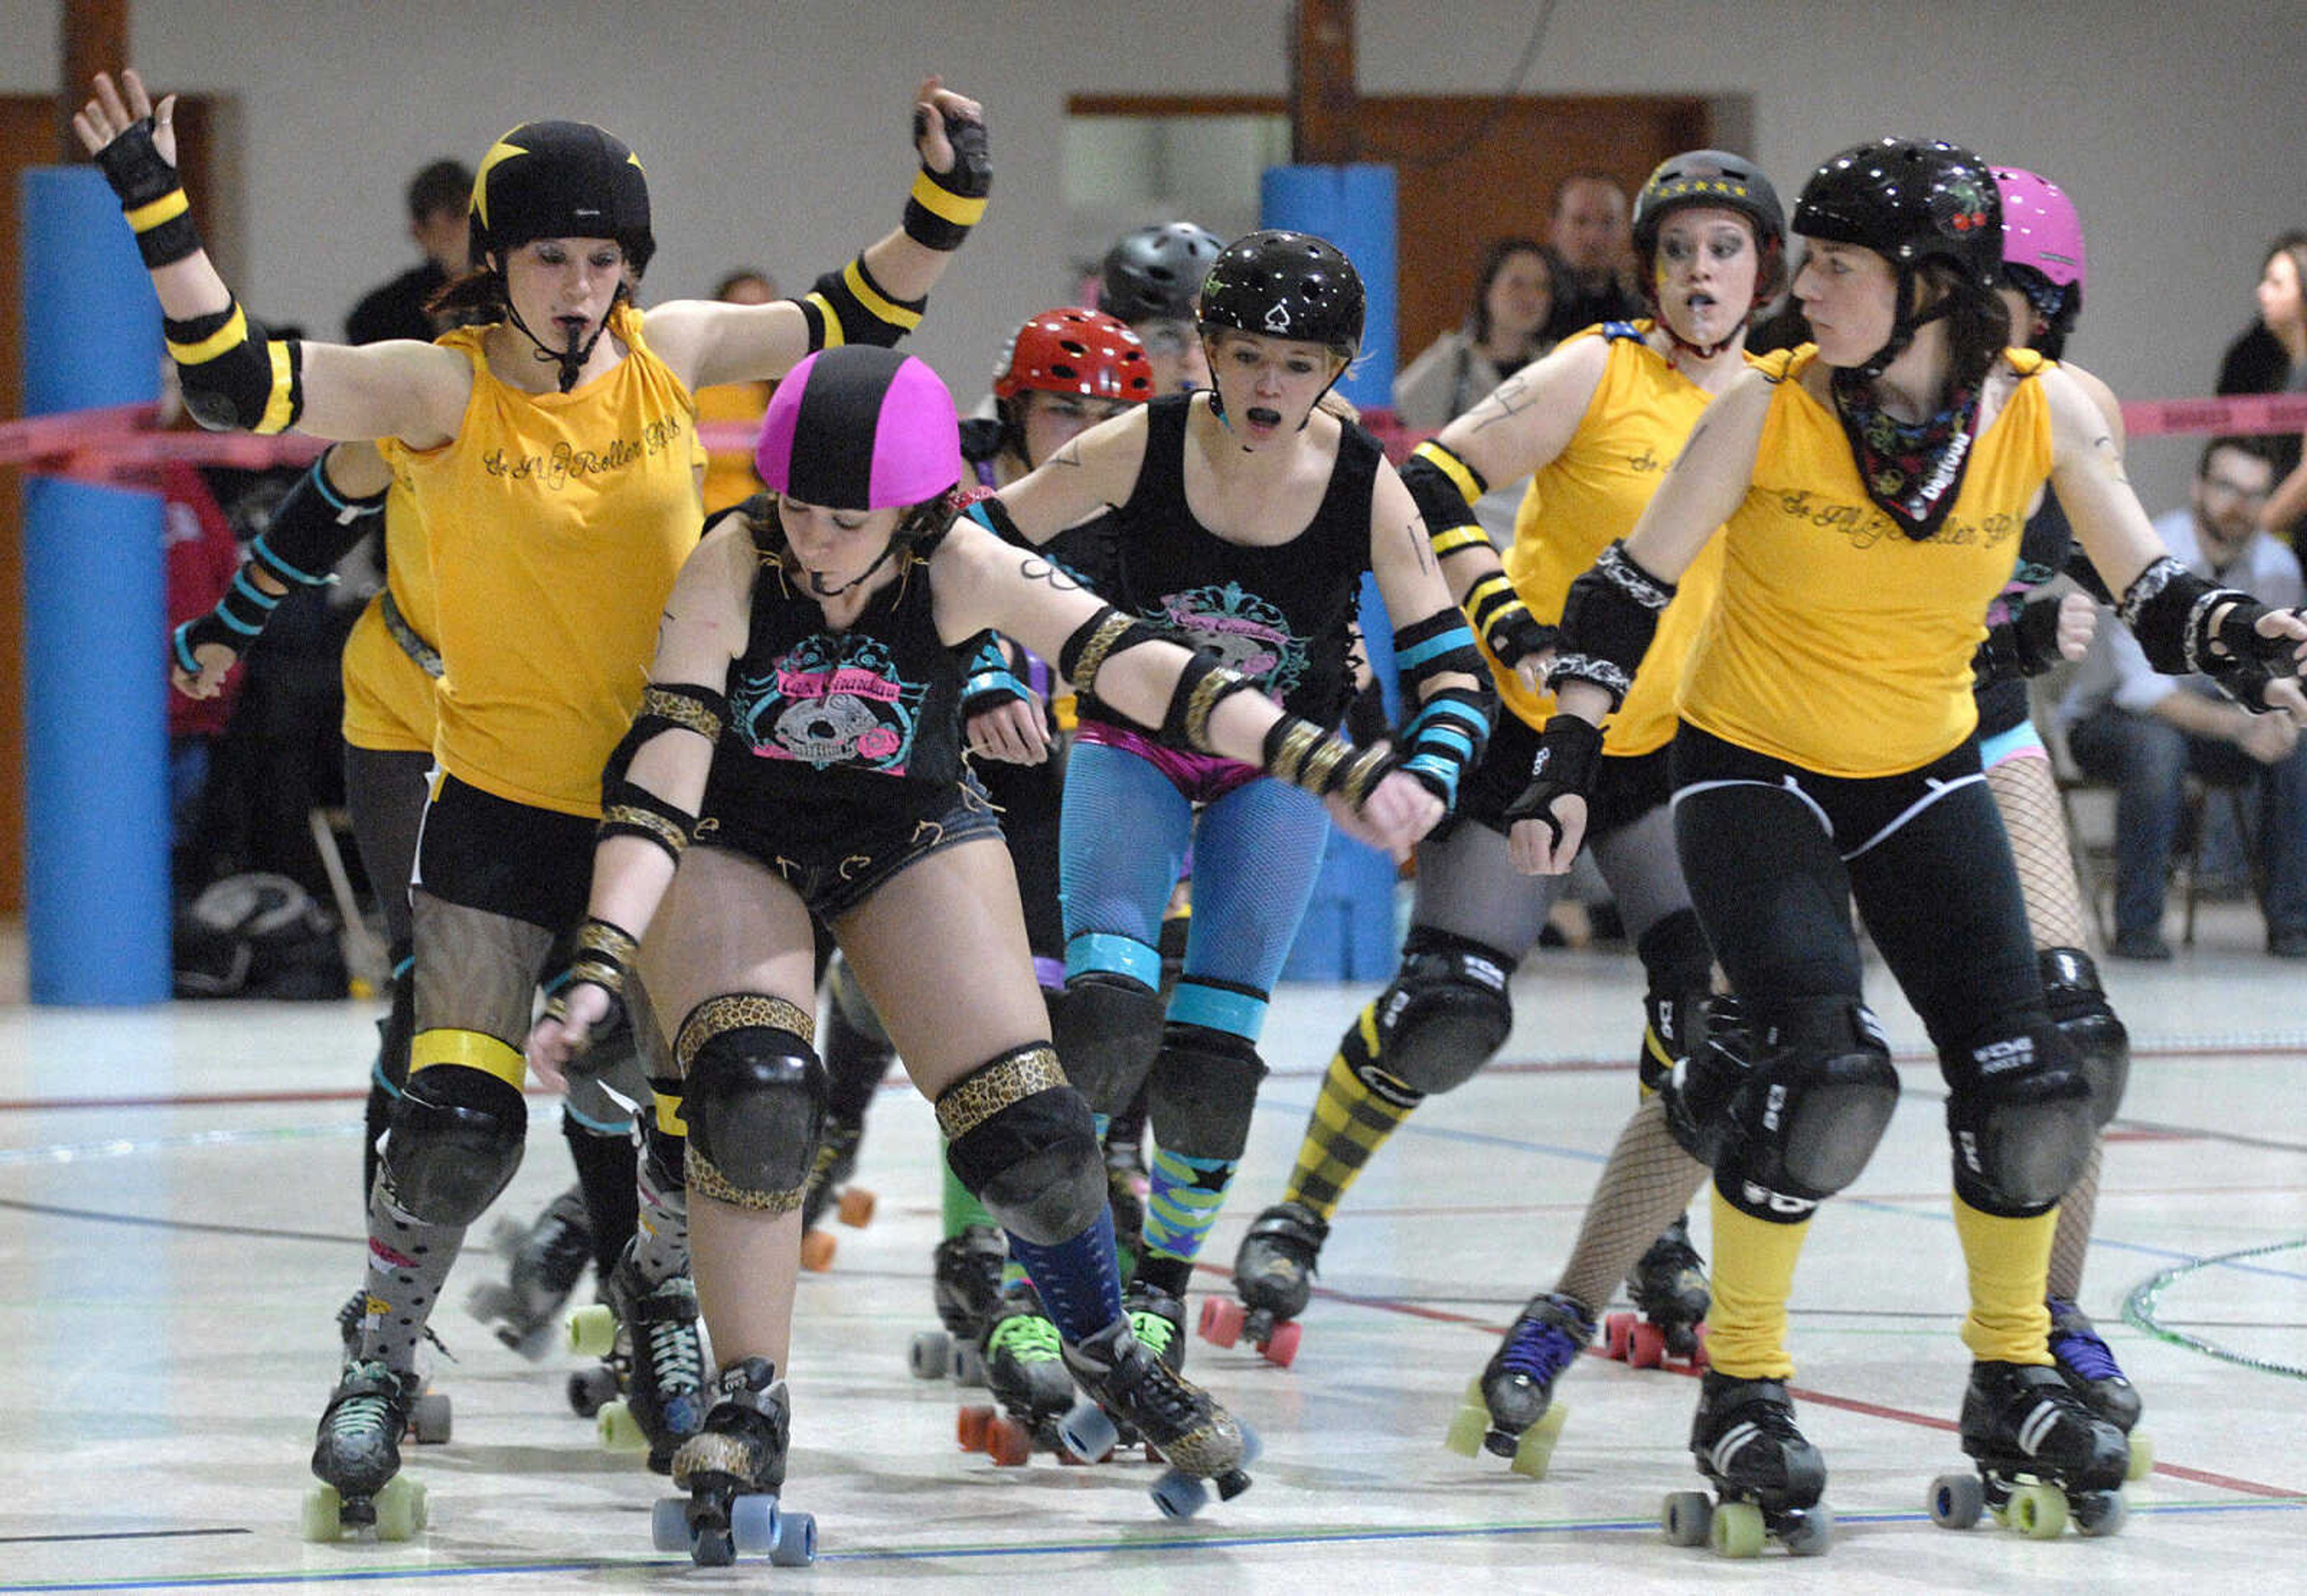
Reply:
x=179 y=1223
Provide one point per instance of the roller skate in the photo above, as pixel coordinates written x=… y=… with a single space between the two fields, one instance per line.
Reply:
x=1767 y=1479
x=1668 y=1287
x=965 y=1278
x=1273 y=1275
x=428 y=1412
x=648 y=1335
x=1508 y=1410
x=733 y=1470
x=2091 y=1370
x=1027 y=1374
x=1128 y=1383
x=357 y=1456
x=828 y=1187
x=548 y=1258
x=2042 y=1457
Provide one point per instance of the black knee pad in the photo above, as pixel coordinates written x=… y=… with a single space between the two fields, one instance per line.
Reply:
x=1812 y=1111
x=2020 y=1118
x=2079 y=1009
x=664 y=1133
x=1204 y=1088
x=1446 y=1013
x=1703 y=1086
x=753 y=1096
x=1107 y=1029
x=1021 y=1141
x=1677 y=970
x=455 y=1142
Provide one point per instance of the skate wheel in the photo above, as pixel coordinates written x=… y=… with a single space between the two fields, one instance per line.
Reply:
x=588 y=1388
x=1685 y=1517
x=927 y=1357
x=592 y=1330
x=1737 y=1530
x=2038 y=1512
x=795 y=1546
x=970 y=1424
x=620 y=1430
x=816 y=1250
x=1008 y=1442
x=1617 y=1332
x=1957 y=1500
x=1088 y=1431
x=753 y=1522
x=428 y=1418
x=1280 y=1348
x=401 y=1509
x=2099 y=1512
x=1222 y=1320
x=968 y=1365
x=669 y=1525
x=855 y=1208
x=1535 y=1450
x=1179 y=1496
x=320 y=1518
x=2143 y=1456
x=1645 y=1345
x=1808 y=1532
x=1468 y=1425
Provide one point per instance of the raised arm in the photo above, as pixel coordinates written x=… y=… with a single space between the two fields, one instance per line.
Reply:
x=236 y=375
x=879 y=296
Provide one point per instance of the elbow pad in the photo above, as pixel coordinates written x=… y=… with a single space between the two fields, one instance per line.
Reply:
x=1608 y=623
x=235 y=378
x=849 y=307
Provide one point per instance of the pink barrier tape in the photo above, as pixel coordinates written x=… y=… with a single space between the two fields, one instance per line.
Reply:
x=2244 y=412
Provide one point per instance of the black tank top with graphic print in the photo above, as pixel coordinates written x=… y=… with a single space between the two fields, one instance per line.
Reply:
x=1278 y=614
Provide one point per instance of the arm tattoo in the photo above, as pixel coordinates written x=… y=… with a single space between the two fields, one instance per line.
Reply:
x=2104 y=445
x=1419 y=544
x=1069 y=455
x=1035 y=569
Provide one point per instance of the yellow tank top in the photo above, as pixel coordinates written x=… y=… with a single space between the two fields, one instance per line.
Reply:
x=1594 y=491
x=729 y=476
x=388 y=695
x=555 y=523
x=1840 y=644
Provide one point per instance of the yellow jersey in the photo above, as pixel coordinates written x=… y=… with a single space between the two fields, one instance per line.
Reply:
x=388 y=694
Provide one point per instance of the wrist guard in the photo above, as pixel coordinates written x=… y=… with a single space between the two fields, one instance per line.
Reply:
x=2171 y=610
x=945 y=205
x=1563 y=767
x=849 y=307
x=237 y=620
x=314 y=528
x=152 y=195
x=603 y=956
x=2017 y=649
x=1304 y=755
x=235 y=377
x=1608 y=623
x=1445 y=739
x=990 y=682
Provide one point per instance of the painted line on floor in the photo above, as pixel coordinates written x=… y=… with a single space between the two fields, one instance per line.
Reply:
x=120 y=1535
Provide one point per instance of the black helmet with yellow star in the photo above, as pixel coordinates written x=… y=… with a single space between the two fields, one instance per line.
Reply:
x=560 y=180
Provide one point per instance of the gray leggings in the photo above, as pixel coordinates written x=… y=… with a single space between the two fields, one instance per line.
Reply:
x=1467 y=888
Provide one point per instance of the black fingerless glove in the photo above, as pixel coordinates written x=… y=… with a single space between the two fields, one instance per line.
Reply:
x=2023 y=647
x=152 y=195
x=945 y=205
x=1564 y=768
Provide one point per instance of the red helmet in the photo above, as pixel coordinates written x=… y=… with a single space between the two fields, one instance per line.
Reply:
x=1070 y=350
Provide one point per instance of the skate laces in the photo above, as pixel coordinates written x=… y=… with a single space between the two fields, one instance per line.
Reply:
x=2076 y=1342
x=1539 y=1348
x=1153 y=1332
x=676 y=1357
x=1027 y=1337
x=369 y=1410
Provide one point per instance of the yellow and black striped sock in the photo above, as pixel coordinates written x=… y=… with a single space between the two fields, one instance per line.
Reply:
x=1360 y=1106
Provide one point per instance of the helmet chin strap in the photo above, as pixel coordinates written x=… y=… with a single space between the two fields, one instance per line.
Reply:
x=572 y=359
x=817 y=583
x=1904 y=328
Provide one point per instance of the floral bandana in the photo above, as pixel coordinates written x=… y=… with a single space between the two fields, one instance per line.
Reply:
x=1912 y=470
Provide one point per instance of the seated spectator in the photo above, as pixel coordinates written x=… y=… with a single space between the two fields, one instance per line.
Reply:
x=2146 y=733
x=1504 y=330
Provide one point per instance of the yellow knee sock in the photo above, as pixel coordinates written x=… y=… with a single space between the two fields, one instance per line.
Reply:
x=2008 y=1260
x=1753 y=1276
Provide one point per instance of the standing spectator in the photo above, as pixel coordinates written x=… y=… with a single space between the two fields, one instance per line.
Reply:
x=2271 y=357
x=729 y=477
x=437 y=199
x=1590 y=229
x=2145 y=732
x=1514 y=294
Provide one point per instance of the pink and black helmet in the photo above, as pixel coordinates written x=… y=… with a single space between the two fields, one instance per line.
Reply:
x=2043 y=251
x=859 y=427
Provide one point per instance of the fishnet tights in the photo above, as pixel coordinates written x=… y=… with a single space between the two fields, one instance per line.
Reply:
x=1645 y=1188
x=2026 y=793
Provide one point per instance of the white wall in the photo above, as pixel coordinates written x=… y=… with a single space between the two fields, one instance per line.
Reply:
x=774 y=132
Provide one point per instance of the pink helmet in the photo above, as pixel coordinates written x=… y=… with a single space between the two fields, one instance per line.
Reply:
x=2041 y=230
x=859 y=427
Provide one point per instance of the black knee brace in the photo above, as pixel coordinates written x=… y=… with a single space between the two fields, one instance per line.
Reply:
x=1811 y=1114
x=1446 y=1012
x=455 y=1142
x=754 y=1099
x=2021 y=1118
x=1202 y=1089
x=2079 y=1008
x=1699 y=1095
x=1021 y=1141
x=1107 y=1029
x=1677 y=970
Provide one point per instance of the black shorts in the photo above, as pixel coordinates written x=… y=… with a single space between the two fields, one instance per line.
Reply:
x=1625 y=789
x=837 y=856
x=484 y=852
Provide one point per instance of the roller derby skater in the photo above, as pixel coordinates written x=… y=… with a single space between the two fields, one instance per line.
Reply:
x=854 y=564
x=1508 y=1410
x=1913 y=412
x=733 y=1470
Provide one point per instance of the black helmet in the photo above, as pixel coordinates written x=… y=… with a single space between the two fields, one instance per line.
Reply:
x=560 y=180
x=1714 y=177
x=1153 y=273
x=1286 y=285
x=1909 y=202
